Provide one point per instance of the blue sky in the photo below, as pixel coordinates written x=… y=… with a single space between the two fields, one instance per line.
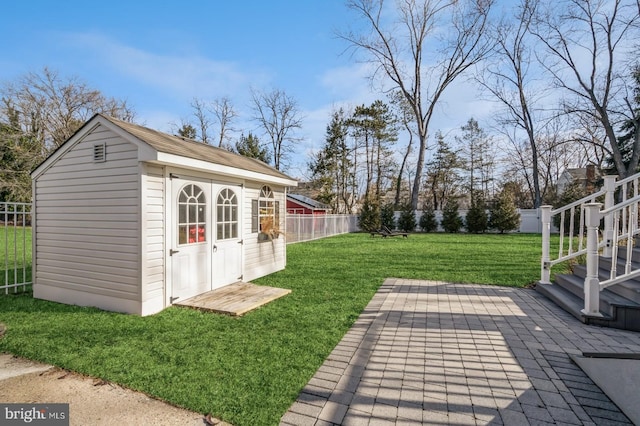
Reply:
x=160 y=55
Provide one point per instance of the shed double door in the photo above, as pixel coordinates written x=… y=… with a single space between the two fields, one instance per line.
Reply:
x=206 y=246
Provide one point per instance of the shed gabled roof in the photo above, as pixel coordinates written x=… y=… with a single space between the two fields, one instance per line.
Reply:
x=183 y=147
x=176 y=148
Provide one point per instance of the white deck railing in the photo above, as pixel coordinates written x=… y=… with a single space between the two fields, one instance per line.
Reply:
x=593 y=226
x=15 y=246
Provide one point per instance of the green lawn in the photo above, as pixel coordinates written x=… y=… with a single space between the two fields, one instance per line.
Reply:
x=15 y=256
x=248 y=371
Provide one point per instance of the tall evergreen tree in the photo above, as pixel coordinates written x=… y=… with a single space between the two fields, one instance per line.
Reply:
x=407 y=220
x=443 y=179
x=451 y=220
x=332 y=168
x=249 y=146
x=374 y=127
x=477 y=148
x=187 y=131
x=428 y=221
x=504 y=215
x=387 y=216
x=369 y=218
x=477 y=220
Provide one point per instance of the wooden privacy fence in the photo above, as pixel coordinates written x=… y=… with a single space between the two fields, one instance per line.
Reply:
x=15 y=247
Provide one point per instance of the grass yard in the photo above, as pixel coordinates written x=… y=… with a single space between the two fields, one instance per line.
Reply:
x=249 y=370
x=15 y=255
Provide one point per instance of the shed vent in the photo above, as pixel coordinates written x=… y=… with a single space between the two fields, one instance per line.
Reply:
x=100 y=153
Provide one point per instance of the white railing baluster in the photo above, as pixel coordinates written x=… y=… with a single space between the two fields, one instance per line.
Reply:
x=545 y=266
x=561 y=245
x=627 y=266
x=572 y=221
x=610 y=189
x=620 y=222
x=591 y=282
x=614 y=252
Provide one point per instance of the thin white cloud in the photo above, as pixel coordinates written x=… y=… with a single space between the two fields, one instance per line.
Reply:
x=349 y=84
x=183 y=76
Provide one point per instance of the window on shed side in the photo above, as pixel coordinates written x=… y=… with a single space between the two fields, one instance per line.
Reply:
x=266 y=211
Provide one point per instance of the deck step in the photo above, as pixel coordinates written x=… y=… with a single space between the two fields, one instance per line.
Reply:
x=609 y=299
x=629 y=289
x=563 y=298
x=623 y=316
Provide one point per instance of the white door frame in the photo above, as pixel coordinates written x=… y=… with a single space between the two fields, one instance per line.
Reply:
x=194 y=258
x=231 y=250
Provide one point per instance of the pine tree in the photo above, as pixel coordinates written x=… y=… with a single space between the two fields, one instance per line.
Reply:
x=451 y=220
x=249 y=146
x=477 y=220
x=443 y=181
x=387 y=216
x=428 y=222
x=407 y=219
x=477 y=149
x=504 y=216
x=369 y=218
x=187 y=131
x=332 y=167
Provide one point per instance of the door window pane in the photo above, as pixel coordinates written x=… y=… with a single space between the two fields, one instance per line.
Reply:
x=192 y=213
x=227 y=214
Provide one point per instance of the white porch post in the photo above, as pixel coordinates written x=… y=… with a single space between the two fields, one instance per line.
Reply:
x=610 y=188
x=591 y=282
x=545 y=267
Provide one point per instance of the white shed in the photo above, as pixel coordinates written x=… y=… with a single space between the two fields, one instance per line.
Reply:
x=130 y=219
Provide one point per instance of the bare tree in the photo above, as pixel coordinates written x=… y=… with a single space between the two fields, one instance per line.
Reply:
x=587 y=41
x=203 y=121
x=405 y=115
x=225 y=114
x=51 y=108
x=451 y=30
x=508 y=80
x=278 y=115
x=39 y=112
x=590 y=137
x=221 y=111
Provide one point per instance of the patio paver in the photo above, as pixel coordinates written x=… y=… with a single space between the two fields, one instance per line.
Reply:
x=425 y=352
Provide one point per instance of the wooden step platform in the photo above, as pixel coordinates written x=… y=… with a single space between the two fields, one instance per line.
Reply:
x=234 y=299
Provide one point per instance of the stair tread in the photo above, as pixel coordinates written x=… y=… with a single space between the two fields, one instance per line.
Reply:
x=603 y=272
x=629 y=289
x=563 y=298
x=620 y=263
x=606 y=295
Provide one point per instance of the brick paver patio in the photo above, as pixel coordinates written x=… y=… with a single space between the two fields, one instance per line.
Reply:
x=441 y=353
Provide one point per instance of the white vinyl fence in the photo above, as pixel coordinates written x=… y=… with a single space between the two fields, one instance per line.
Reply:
x=305 y=227
x=15 y=246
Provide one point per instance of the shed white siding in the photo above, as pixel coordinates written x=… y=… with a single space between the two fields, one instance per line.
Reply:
x=104 y=226
x=87 y=247
x=262 y=257
x=152 y=238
